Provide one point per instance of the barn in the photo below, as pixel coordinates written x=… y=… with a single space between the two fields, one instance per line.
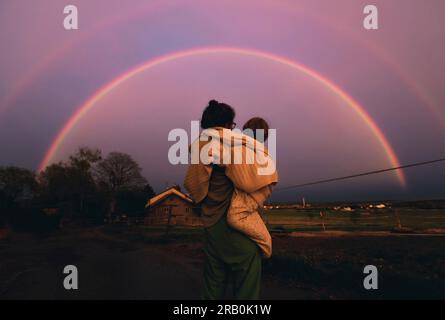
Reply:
x=172 y=207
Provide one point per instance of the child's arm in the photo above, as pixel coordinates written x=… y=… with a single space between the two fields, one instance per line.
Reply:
x=262 y=194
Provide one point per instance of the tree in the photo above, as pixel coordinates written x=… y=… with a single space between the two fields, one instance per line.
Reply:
x=80 y=165
x=71 y=181
x=16 y=185
x=119 y=173
x=132 y=201
x=55 y=183
x=85 y=158
x=148 y=191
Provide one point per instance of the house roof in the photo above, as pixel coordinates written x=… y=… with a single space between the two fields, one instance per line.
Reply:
x=161 y=196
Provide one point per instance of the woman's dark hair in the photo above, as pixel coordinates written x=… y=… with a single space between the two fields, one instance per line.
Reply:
x=217 y=114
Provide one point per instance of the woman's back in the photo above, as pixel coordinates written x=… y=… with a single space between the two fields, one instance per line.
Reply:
x=217 y=201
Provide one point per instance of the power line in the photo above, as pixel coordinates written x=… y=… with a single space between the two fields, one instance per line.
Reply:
x=360 y=174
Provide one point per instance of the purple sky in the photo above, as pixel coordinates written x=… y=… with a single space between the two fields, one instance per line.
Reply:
x=396 y=73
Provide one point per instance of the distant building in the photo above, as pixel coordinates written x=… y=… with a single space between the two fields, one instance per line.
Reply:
x=377 y=206
x=172 y=207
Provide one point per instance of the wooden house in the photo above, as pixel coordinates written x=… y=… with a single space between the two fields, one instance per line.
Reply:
x=172 y=207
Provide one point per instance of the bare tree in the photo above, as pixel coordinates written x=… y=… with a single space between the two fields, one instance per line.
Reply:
x=117 y=172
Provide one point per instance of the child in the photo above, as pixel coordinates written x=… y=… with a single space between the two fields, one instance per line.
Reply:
x=243 y=211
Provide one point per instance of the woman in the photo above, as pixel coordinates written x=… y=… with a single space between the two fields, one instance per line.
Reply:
x=231 y=258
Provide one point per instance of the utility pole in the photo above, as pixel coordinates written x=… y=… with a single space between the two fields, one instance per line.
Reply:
x=322 y=220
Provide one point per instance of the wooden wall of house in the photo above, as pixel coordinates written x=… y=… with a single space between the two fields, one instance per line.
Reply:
x=183 y=213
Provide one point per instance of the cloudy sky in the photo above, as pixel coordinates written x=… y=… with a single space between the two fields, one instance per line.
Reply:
x=343 y=99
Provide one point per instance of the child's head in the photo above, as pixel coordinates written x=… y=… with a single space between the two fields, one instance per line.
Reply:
x=255 y=124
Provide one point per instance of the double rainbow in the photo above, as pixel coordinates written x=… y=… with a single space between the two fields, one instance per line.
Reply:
x=98 y=95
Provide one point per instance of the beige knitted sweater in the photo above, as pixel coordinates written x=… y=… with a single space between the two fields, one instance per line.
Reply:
x=250 y=168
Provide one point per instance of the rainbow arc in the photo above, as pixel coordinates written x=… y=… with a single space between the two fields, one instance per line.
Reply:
x=359 y=110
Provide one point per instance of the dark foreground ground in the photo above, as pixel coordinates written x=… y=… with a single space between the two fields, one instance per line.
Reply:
x=140 y=263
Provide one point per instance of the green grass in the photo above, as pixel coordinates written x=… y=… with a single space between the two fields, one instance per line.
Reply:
x=360 y=220
x=288 y=220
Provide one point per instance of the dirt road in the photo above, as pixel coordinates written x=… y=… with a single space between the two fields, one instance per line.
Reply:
x=128 y=263
x=109 y=268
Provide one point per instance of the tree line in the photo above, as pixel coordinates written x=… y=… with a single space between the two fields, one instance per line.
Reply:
x=87 y=188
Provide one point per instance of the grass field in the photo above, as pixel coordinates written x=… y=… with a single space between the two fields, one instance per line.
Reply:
x=419 y=220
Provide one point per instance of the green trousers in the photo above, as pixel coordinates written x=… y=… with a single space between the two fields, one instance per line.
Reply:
x=232 y=259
